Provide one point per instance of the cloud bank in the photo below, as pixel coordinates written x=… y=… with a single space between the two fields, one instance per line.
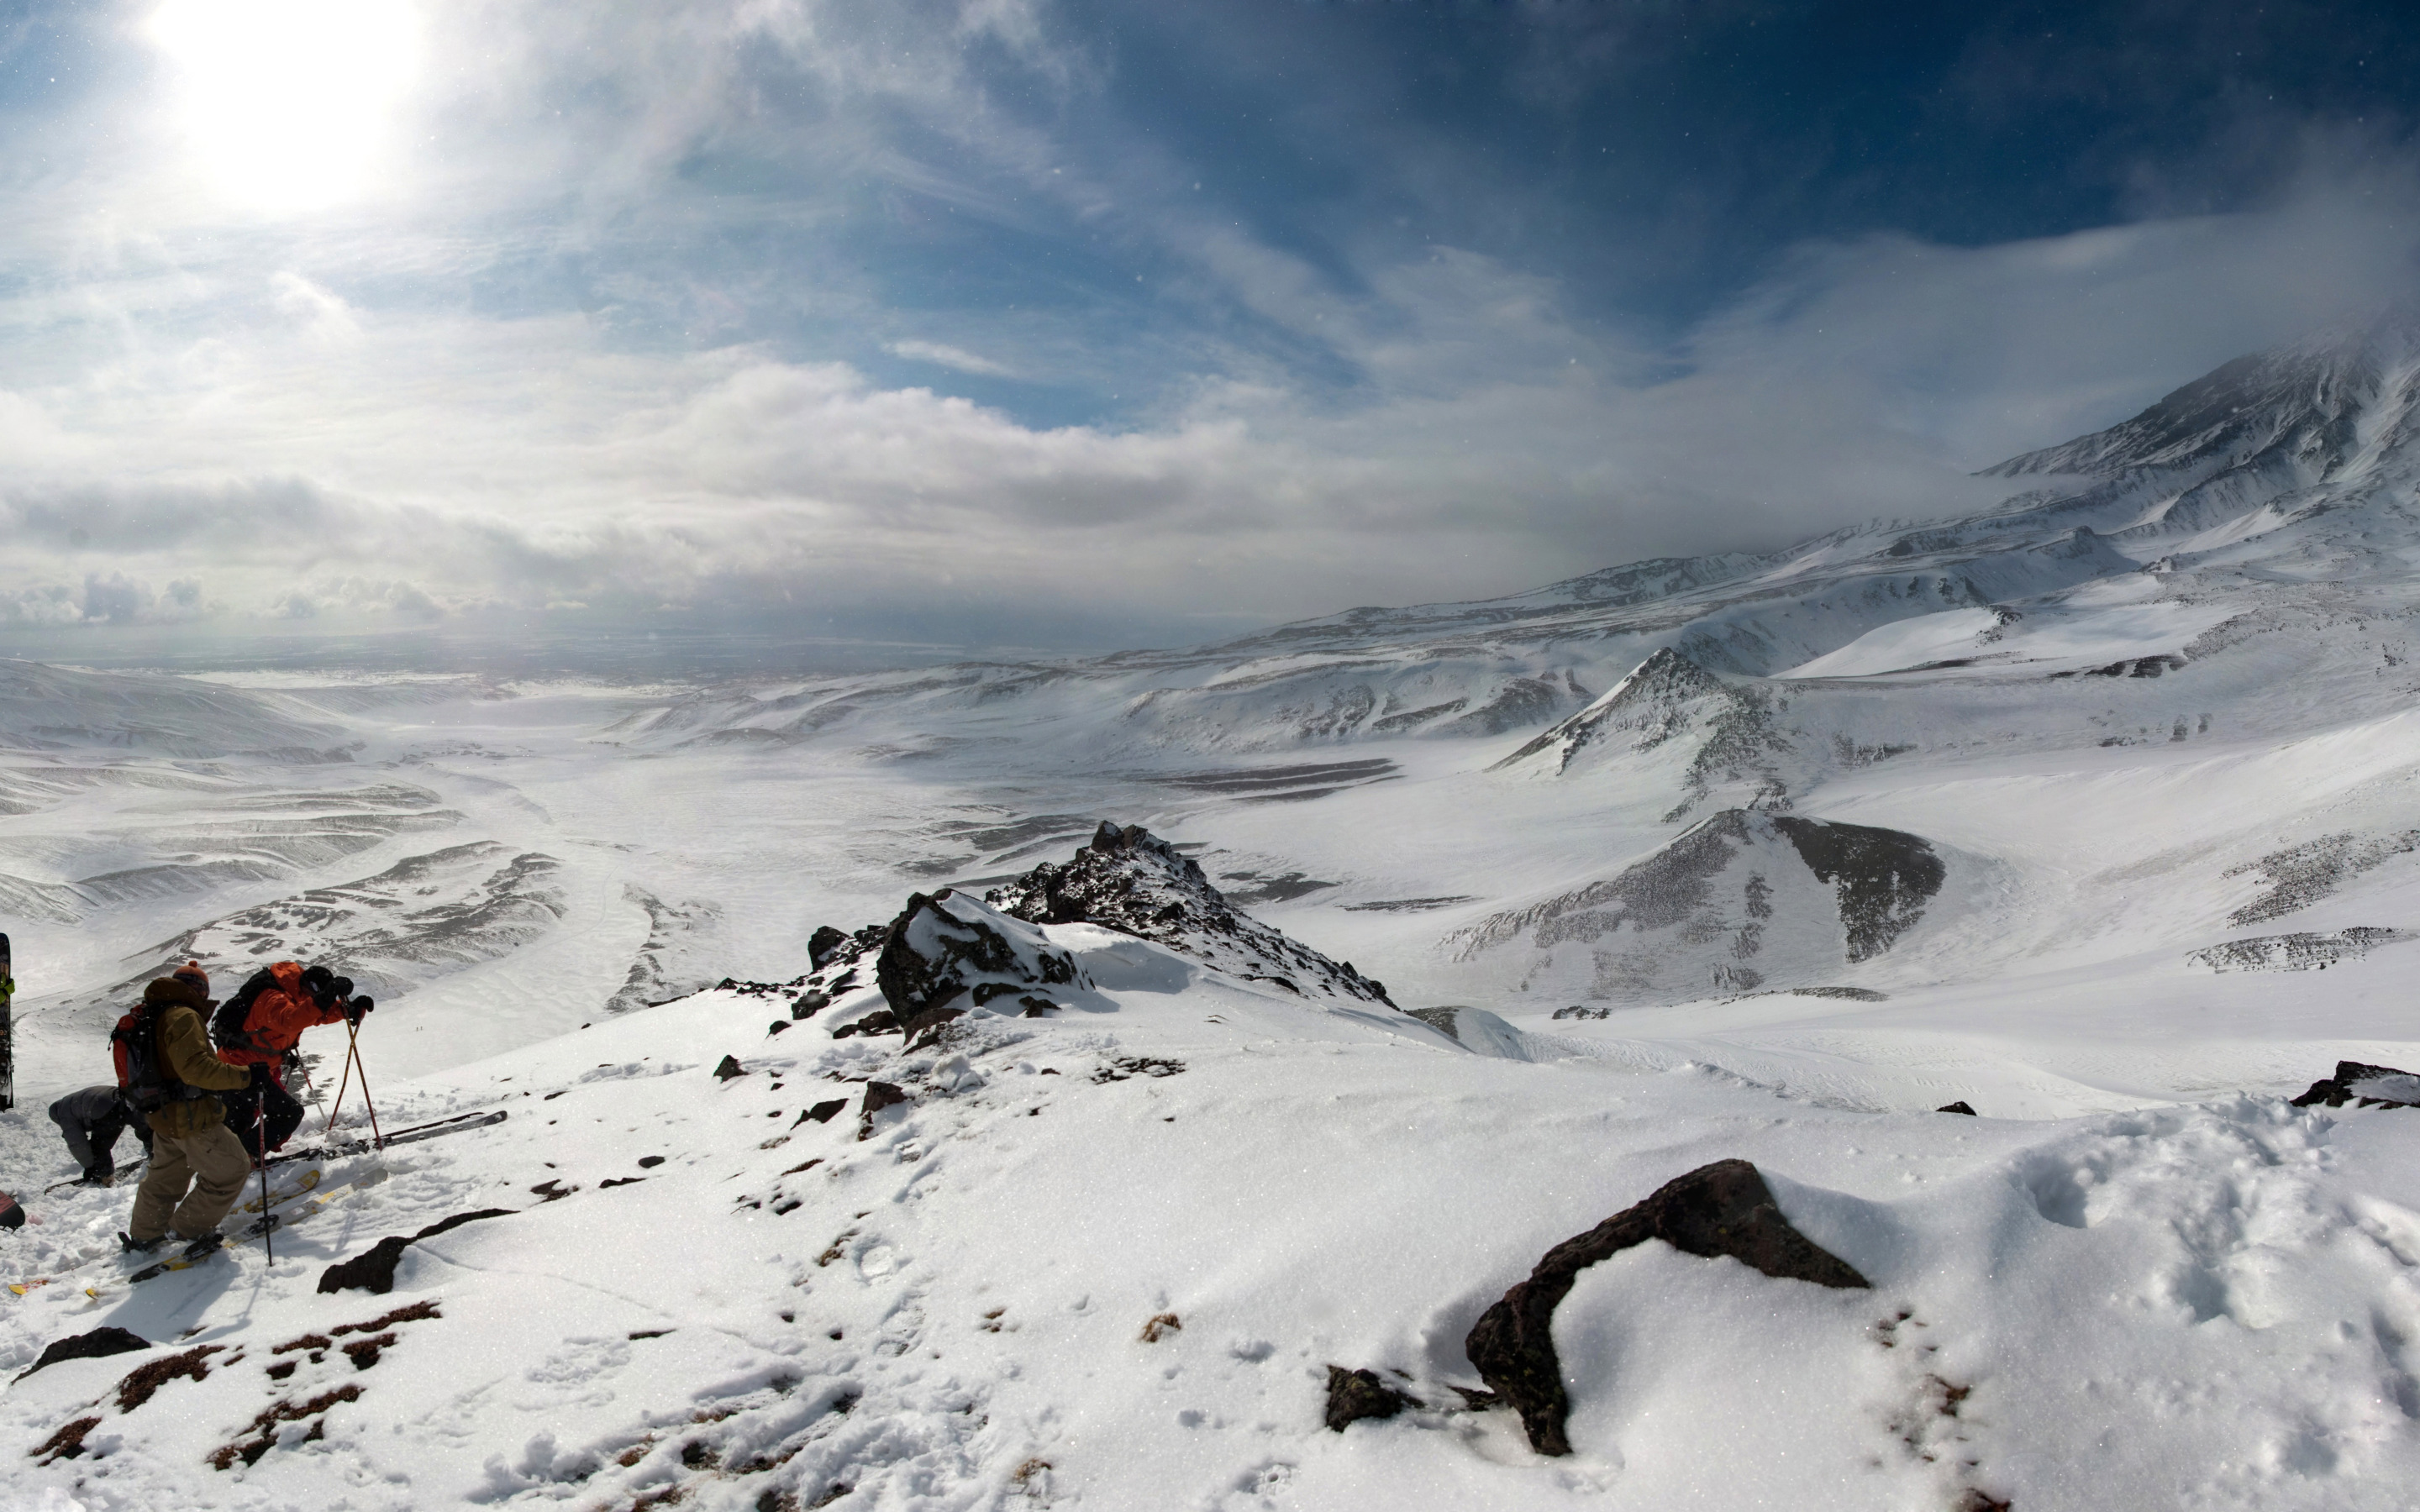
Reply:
x=650 y=359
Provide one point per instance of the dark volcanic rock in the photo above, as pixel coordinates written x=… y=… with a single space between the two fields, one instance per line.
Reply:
x=1354 y=1394
x=1131 y=881
x=949 y=945
x=729 y=1069
x=2364 y=1087
x=823 y=942
x=92 y=1345
x=373 y=1269
x=1721 y=1209
x=1959 y=1106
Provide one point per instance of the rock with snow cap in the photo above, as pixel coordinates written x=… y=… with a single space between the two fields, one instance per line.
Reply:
x=948 y=950
x=1131 y=881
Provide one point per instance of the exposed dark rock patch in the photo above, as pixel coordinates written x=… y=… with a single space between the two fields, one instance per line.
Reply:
x=1716 y=1209
x=729 y=1069
x=822 y=1112
x=1885 y=876
x=1701 y=916
x=373 y=1269
x=2363 y=1086
x=1131 y=881
x=1354 y=1394
x=99 y=1344
x=1959 y=1106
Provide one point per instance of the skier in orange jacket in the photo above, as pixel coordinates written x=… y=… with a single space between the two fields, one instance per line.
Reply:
x=294 y=999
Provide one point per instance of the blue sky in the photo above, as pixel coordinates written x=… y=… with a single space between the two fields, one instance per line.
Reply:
x=1069 y=322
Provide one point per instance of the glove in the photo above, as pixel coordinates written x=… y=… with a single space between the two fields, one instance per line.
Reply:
x=343 y=987
x=359 y=1007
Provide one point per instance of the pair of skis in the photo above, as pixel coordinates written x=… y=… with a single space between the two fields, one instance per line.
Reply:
x=338 y=1148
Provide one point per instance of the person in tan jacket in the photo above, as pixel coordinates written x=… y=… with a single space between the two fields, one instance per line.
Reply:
x=191 y=1145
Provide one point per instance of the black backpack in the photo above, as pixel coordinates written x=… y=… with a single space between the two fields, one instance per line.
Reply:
x=227 y=1029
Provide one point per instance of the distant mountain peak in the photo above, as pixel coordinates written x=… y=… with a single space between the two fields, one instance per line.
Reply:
x=2298 y=406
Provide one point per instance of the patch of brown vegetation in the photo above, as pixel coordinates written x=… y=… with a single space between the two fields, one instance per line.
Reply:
x=264 y=1428
x=417 y=1312
x=308 y=1341
x=143 y=1380
x=364 y=1352
x=1164 y=1324
x=67 y=1442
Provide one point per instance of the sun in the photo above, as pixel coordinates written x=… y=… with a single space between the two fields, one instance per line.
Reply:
x=288 y=105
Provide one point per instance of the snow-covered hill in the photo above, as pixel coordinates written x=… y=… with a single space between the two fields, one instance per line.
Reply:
x=1072 y=1139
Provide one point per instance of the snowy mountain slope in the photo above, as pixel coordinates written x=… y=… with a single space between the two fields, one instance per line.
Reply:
x=1096 y=1258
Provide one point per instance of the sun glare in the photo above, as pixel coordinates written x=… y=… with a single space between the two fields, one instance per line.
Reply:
x=288 y=103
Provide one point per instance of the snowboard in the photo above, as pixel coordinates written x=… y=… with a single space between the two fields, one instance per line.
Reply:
x=8 y=1030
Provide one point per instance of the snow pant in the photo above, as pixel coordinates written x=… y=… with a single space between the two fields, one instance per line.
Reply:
x=273 y=1108
x=210 y=1162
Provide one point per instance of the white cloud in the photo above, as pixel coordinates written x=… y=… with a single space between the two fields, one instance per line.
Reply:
x=942 y=355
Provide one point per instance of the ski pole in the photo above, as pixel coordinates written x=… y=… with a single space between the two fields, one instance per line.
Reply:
x=339 y=1105
x=354 y=1050
x=261 y=1164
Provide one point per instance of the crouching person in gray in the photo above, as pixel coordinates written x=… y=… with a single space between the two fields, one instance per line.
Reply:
x=90 y=1123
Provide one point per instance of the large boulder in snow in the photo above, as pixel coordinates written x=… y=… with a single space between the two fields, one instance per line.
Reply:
x=1741 y=899
x=2363 y=1086
x=1721 y=1209
x=948 y=947
x=1131 y=881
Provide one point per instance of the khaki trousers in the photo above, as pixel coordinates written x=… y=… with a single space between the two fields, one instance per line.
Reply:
x=213 y=1161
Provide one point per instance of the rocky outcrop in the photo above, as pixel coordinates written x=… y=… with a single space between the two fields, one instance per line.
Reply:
x=948 y=946
x=2363 y=1086
x=1131 y=881
x=1721 y=1209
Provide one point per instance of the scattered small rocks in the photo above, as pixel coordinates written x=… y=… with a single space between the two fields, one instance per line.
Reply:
x=2300 y=951
x=1721 y=1209
x=1354 y=1394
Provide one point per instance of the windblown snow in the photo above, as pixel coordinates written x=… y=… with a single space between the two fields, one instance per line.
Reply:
x=1127 y=1083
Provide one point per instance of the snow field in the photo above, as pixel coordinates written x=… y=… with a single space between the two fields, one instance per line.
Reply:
x=2202 y=1305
